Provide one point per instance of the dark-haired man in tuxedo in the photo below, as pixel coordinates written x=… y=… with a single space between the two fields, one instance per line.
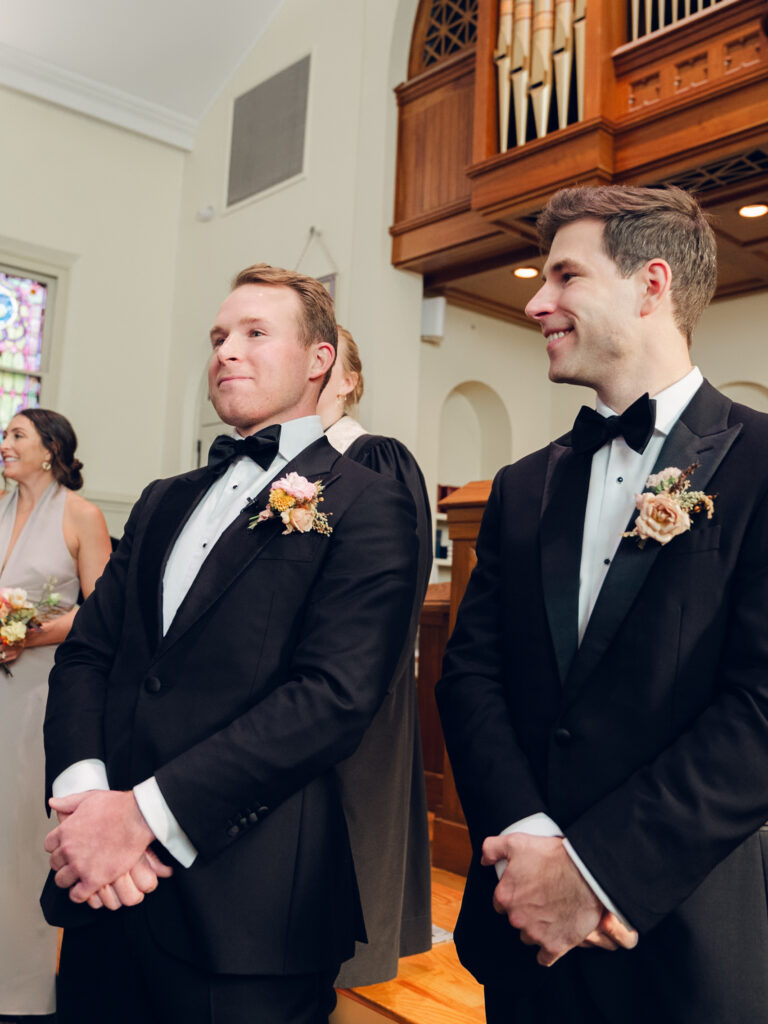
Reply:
x=605 y=695
x=208 y=689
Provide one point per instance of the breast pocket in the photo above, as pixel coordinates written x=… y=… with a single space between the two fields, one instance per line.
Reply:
x=699 y=538
x=298 y=547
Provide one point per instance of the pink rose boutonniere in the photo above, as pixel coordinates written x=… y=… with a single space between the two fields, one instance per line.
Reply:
x=294 y=499
x=665 y=511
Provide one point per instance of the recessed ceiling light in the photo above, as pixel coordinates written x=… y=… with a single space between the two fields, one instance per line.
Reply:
x=525 y=272
x=754 y=210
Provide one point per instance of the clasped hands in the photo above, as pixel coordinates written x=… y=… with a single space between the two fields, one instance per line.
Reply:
x=543 y=895
x=100 y=849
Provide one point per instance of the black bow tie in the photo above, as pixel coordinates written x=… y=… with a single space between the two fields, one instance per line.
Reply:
x=262 y=447
x=591 y=430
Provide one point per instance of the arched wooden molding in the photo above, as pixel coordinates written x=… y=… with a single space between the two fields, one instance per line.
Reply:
x=442 y=28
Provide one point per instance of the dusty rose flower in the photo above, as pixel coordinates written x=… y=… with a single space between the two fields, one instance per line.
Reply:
x=16 y=597
x=300 y=519
x=671 y=473
x=659 y=517
x=266 y=513
x=297 y=486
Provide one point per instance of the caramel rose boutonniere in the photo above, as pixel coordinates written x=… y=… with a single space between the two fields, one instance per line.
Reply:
x=665 y=511
x=294 y=499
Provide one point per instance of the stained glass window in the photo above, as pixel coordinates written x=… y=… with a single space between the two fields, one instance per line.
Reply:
x=22 y=317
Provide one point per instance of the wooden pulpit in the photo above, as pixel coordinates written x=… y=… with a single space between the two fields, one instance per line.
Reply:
x=464 y=510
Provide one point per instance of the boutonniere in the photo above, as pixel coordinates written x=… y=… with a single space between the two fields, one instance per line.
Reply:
x=665 y=511
x=294 y=499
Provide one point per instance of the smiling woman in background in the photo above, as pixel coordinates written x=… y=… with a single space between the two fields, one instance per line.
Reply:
x=52 y=542
x=382 y=784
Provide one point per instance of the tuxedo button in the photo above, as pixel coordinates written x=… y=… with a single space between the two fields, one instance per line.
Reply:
x=263 y=810
x=253 y=818
x=233 y=831
x=152 y=684
x=243 y=823
x=563 y=737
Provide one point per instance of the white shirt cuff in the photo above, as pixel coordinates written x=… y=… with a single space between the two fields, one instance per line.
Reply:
x=538 y=824
x=80 y=777
x=161 y=820
x=594 y=885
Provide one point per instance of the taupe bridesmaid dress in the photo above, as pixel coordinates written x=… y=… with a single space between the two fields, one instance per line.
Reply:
x=27 y=943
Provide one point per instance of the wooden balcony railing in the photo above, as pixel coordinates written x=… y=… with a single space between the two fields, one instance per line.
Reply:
x=546 y=93
x=652 y=15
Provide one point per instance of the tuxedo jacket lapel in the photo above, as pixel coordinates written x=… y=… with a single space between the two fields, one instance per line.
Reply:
x=702 y=436
x=238 y=546
x=562 y=521
x=163 y=528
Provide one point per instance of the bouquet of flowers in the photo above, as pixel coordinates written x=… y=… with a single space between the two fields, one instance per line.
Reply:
x=18 y=615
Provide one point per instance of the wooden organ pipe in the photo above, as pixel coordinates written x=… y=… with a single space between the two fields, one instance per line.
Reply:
x=540 y=49
x=580 y=50
x=540 y=88
x=521 y=65
x=562 y=56
x=503 y=59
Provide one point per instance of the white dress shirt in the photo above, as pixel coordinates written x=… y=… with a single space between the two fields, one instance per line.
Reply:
x=221 y=505
x=617 y=474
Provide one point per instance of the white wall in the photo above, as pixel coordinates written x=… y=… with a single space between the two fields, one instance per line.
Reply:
x=511 y=361
x=731 y=342
x=98 y=206
x=346 y=192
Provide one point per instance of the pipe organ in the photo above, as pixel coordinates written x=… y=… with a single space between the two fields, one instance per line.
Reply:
x=540 y=59
x=540 y=63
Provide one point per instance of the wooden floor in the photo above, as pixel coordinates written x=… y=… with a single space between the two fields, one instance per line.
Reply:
x=430 y=988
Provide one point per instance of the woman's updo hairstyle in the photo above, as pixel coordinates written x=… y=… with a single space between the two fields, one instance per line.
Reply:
x=349 y=354
x=59 y=438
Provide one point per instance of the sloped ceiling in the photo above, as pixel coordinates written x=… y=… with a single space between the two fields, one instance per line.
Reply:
x=153 y=66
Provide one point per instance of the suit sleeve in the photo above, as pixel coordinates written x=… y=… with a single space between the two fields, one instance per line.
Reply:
x=354 y=624
x=492 y=773
x=73 y=728
x=654 y=839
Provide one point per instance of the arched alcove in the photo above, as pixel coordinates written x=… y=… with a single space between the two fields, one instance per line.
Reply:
x=748 y=393
x=475 y=434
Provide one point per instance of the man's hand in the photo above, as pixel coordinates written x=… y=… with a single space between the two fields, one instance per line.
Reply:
x=130 y=889
x=611 y=934
x=543 y=894
x=102 y=838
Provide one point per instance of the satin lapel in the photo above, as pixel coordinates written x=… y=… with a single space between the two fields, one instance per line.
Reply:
x=700 y=435
x=562 y=523
x=163 y=528
x=238 y=547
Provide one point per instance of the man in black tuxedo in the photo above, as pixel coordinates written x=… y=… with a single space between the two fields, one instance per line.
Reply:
x=605 y=697
x=208 y=689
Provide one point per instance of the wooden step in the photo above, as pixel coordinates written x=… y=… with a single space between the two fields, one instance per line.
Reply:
x=430 y=988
